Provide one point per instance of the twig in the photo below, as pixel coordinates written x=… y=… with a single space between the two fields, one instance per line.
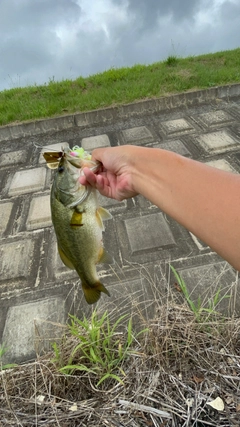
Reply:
x=144 y=408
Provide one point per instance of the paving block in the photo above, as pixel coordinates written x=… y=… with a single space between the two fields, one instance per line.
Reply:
x=148 y=233
x=177 y=126
x=28 y=324
x=215 y=118
x=217 y=142
x=137 y=136
x=107 y=202
x=27 y=181
x=203 y=282
x=55 y=265
x=5 y=209
x=199 y=243
x=133 y=298
x=176 y=146
x=39 y=213
x=221 y=164
x=15 y=259
x=92 y=142
x=13 y=158
x=52 y=147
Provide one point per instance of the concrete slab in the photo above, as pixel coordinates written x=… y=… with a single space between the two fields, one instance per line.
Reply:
x=57 y=270
x=13 y=158
x=204 y=282
x=28 y=324
x=27 y=181
x=215 y=118
x=218 y=142
x=138 y=135
x=222 y=164
x=134 y=297
x=176 y=146
x=110 y=203
x=39 y=213
x=5 y=209
x=36 y=127
x=15 y=259
x=148 y=232
x=178 y=126
x=93 y=142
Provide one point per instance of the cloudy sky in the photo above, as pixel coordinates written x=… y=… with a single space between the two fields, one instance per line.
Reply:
x=45 y=39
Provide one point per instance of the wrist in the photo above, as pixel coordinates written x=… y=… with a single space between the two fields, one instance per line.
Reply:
x=145 y=162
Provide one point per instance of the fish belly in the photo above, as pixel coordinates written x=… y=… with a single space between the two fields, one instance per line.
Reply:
x=80 y=244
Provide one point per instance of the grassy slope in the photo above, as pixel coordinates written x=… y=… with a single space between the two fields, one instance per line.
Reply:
x=117 y=86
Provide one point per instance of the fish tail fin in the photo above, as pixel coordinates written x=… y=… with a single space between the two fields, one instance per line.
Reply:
x=92 y=293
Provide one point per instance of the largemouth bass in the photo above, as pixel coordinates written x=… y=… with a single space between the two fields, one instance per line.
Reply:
x=78 y=219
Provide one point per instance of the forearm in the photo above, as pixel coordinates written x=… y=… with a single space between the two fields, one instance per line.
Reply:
x=203 y=199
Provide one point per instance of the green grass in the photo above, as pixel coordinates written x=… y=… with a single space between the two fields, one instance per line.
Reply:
x=96 y=348
x=3 y=350
x=117 y=86
x=201 y=313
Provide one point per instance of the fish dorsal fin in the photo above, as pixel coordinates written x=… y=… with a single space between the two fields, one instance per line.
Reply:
x=104 y=257
x=65 y=259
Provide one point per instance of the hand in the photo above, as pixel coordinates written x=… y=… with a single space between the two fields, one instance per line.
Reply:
x=114 y=178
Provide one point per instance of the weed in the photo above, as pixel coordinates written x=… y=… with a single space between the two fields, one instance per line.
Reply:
x=3 y=350
x=197 y=308
x=99 y=348
x=171 y=61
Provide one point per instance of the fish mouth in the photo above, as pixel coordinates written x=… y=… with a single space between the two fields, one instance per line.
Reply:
x=74 y=166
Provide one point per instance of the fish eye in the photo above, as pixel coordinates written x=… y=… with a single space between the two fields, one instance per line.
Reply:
x=60 y=169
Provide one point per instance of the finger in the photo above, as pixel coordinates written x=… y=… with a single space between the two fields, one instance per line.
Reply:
x=102 y=185
x=89 y=177
x=83 y=180
x=100 y=182
x=97 y=154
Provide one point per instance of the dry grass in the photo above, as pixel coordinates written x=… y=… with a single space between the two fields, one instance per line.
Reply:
x=176 y=369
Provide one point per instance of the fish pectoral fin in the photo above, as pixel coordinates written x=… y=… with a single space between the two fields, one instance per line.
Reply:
x=65 y=259
x=92 y=292
x=104 y=214
x=104 y=257
x=76 y=220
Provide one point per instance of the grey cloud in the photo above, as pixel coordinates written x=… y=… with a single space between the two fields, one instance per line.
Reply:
x=154 y=8
x=20 y=15
x=29 y=39
x=230 y=10
x=32 y=50
x=148 y=12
